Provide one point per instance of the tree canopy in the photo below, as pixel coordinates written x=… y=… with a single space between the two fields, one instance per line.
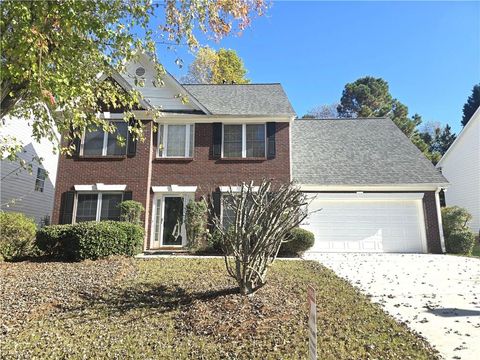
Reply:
x=326 y=111
x=438 y=140
x=216 y=67
x=56 y=54
x=472 y=104
x=370 y=97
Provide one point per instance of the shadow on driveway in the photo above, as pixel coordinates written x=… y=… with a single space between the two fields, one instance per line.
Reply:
x=452 y=312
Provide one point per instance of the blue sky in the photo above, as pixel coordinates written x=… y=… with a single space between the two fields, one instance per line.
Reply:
x=429 y=52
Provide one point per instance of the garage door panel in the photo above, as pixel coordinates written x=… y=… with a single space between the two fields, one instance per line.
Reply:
x=360 y=225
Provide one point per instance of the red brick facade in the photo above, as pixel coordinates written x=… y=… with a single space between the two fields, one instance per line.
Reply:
x=432 y=227
x=203 y=171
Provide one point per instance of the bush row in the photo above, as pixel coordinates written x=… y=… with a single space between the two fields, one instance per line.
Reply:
x=90 y=240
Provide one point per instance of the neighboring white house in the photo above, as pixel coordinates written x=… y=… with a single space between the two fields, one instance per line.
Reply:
x=22 y=191
x=461 y=166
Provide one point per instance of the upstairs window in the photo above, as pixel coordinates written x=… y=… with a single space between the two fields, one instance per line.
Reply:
x=101 y=143
x=176 y=141
x=98 y=206
x=40 y=180
x=244 y=141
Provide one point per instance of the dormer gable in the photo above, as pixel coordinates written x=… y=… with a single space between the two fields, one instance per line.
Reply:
x=164 y=93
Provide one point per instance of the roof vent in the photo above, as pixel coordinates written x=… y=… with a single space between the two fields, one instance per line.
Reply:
x=140 y=71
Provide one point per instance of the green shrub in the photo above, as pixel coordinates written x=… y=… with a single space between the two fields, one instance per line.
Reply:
x=91 y=240
x=50 y=238
x=196 y=218
x=454 y=218
x=300 y=241
x=460 y=242
x=131 y=211
x=214 y=243
x=459 y=239
x=17 y=234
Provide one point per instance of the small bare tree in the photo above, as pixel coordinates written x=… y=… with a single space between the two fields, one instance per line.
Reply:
x=262 y=217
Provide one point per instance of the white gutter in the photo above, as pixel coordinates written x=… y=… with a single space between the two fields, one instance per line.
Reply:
x=372 y=187
x=439 y=217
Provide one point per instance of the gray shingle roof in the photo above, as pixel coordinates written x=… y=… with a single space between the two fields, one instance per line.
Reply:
x=247 y=99
x=357 y=152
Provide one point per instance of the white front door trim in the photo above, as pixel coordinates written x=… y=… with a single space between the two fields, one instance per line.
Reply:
x=156 y=243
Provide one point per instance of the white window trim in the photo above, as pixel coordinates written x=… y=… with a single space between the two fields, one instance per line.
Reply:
x=162 y=153
x=100 y=187
x=244 y=140
x=99 y=202
x=174 y=189
x=105 y=140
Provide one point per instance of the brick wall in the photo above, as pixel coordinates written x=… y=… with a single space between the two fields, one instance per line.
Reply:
x=431 y=223
x=208 y=173
x=88 y=171
x=203 y=171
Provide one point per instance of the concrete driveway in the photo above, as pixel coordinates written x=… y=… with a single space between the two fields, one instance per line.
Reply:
x=438 y=296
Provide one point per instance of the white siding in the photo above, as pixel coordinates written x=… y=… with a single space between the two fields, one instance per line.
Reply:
x=164 y=97
x=461 y=166
x=17 y=187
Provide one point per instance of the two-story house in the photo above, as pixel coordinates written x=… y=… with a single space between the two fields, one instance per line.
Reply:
x=376 y=190
x=222 y=136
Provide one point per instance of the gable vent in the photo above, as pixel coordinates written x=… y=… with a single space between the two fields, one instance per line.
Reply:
x=140 y=71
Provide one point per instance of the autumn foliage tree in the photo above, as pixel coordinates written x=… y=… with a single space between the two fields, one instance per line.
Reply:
x=216 y=67
x=53 y=52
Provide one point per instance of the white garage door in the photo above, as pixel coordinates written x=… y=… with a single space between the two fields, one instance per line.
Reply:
x=367 y=222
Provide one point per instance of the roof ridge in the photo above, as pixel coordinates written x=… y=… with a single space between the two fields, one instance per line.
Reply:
x=345 y=119
x=275 y=83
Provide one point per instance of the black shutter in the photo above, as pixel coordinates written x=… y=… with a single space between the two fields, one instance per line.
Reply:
x=66 y=207
x=76 y=142
x=131 y=142
x=271 y=129
x=127 y=195
x=217 y=198
x=217 y=140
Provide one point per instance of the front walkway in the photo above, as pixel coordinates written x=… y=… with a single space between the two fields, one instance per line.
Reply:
x=438 y=296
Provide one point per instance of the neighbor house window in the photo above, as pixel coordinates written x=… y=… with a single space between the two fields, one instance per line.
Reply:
x=40 y=180
x=246 y=140
x=98 y=206
x=98 y=142
x=176 y=141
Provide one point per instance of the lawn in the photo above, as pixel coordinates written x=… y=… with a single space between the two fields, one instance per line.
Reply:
x=188 y=309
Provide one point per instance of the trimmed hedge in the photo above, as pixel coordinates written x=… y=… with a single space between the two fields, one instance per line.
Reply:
x=91 y=240
x=300 y=241
x=17 y=235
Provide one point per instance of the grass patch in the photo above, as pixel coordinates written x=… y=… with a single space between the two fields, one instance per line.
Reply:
x=476 y=249
x=189 y=309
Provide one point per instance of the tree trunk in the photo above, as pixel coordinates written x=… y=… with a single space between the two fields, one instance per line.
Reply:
x=8 y=101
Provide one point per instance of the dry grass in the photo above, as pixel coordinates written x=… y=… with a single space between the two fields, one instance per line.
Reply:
x=188 y=309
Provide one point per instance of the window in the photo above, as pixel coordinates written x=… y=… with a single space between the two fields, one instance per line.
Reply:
x=40 y=180
x=100 y=143
x=176 y=140
x=247 y=140
x=228 y=214
x=98 y=206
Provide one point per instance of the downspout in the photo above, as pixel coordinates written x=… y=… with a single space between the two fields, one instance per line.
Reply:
x=439 y=217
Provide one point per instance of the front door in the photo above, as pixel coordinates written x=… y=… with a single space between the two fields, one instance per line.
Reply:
x=172 y=234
